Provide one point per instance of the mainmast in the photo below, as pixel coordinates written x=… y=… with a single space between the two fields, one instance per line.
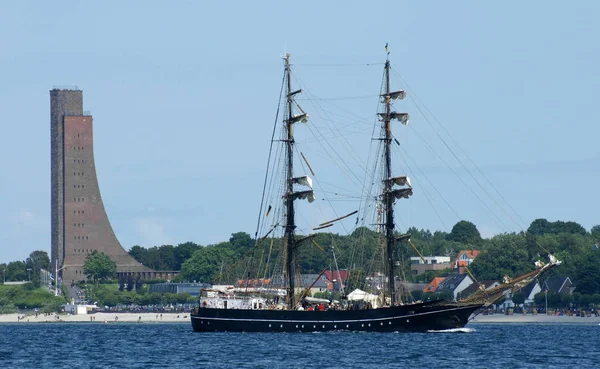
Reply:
x=290 y=225
x=388 y=199
x=290 y=196
x=389 y=193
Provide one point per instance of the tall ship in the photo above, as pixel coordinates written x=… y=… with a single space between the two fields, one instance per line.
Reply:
x=250 y=307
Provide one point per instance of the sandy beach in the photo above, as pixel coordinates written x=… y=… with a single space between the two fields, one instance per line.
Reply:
x=98 y=318
x=540 y=318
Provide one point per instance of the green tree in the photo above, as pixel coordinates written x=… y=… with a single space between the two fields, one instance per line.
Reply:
x=16 y=271
x=518 y=298
x=183 y=297
x=206 y=264
x=184 y=251
x=465 y=232
x=138 y=253
x=576 y=298
x=506 y=255
x=167 y=257
x=554 y=299
x=566 y=299
x=568 y=227
x=240 y=243
x=154 y=298
x=539 y=298
x=37 y=260
x=170 y=298
x=99 y=266
x=585 y=301
x=539 y=227
x=595 y=232
x=587 y=274
x=542 y=226
x=3 y=268
x=109 y=300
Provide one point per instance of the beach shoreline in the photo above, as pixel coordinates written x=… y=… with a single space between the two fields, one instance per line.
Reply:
x=97 y=318
x=540 y=319
x=184 y=317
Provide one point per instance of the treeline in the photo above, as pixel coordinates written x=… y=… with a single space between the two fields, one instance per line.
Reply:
x=514 y=254
x=165 y=257
x=107 y=295
x=29 y=268
x=508 y=254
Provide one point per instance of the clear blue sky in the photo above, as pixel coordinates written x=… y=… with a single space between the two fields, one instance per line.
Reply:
x=184 y=93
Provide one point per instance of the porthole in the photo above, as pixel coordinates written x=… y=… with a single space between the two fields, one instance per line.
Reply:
x=369 y=324
x=296 y=326
x=362 y=325
x=281 y=326
x=323 y=327
x=334 y=326
x=347 y=326
x=314 y=326
x=302 y=325
x=269 y=325
x=381 y=323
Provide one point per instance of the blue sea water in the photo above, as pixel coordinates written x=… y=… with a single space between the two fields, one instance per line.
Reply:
x=155 y=345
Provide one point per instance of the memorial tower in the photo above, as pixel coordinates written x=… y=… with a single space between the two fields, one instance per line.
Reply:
x=78 y=219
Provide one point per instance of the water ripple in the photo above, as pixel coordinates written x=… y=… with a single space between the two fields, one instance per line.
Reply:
x=131 y=345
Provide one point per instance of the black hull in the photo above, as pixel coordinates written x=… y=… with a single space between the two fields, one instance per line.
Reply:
x=421 y=317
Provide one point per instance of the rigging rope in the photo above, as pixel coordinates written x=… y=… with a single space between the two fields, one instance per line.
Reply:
x=269 y=157
x=522 y=223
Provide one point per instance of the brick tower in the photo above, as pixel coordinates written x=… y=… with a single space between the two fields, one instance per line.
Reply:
x=79 y=222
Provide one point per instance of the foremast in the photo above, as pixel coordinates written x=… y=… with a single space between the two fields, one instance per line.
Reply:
x=290 y=195
x=390 y=194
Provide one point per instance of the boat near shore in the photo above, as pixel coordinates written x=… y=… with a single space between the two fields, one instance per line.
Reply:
x=271 y=311
x=250 y=306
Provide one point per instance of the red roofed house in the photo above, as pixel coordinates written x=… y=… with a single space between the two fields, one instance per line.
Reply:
x=433 y=285
x=465 y=258
x=336 y=279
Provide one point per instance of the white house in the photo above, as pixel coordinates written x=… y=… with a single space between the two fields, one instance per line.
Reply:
x=456 y=284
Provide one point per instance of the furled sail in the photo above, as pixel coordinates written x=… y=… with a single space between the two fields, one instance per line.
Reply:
x=308 y=195
x=302 y=118
x=401 y=117
x=395 y=95
x=403 y=193
x=304 y=181
x=400 y=181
